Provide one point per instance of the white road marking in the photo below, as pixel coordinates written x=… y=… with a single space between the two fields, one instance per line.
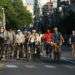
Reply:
x=30 y=66
x=69 y=66
x=49 y=66
x=11 y=66
x=67 y=59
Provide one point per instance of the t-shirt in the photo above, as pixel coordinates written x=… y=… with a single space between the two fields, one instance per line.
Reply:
x=48 y=37
x=10 y=35
x=72 y=38
x=57 y=37
x=19 y=38
x=32 y=38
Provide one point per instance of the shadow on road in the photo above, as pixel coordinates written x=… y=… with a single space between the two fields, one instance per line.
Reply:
x=48 y=61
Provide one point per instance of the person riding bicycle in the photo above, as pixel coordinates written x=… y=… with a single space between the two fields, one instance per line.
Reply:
x=32 y=40
x=57 y=42
x=19 y=42
x=48 y=38
x=9 y=42
x=38 y=42
x=72 y=42
x=1 y=42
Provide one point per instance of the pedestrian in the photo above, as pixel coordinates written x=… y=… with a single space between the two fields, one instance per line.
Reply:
x=72 y=42
x=57 y=42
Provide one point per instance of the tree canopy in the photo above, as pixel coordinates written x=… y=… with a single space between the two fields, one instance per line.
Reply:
x=17 y=15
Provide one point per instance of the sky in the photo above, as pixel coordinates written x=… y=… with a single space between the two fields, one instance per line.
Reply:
x=42 y=2
x=28 y=1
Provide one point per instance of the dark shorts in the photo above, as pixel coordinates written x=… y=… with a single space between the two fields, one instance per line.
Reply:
x=32 y=47
x=48 y=48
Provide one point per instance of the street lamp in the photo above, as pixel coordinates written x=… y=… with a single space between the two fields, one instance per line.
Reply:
x=3 y=20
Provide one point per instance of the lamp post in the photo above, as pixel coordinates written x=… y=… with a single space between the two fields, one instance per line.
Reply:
x=3 y=20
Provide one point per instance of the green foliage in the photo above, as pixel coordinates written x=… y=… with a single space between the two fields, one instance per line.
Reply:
x=17 y=15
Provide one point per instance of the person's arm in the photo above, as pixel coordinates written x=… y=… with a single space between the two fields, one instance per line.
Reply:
x=42 y=38
x=29 y=38
x=70 y=40
x=61 y=39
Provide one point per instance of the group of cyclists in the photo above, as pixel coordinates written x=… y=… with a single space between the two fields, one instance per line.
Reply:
x=16 y=44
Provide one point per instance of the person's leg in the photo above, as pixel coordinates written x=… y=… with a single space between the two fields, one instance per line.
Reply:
x=29 y=52
x=11 y=51
x=46 y=47
x=58 y=56
x=12 y=54
x=15 y=52
x=20 y=51
x=25 y=51
x=1 y=52
x=18 y=47
x=50 y=51
x=72 y=49
x=38 y=51
x=54 y=56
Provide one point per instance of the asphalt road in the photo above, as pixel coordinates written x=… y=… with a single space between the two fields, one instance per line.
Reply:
x=43 y=67
x=40 y=67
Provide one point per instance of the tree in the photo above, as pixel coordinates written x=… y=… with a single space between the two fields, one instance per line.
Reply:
x=17 y=15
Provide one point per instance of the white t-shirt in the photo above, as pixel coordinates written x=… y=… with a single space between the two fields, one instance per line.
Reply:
x=19 y=38
x=9 y=36
x=38 y=38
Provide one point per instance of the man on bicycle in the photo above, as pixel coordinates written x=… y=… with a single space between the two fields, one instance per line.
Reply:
x=57 y=40
x=48 y=38
x=1 y=42
x=72 y=42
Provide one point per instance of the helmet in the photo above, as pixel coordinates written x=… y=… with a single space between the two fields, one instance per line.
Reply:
x=33 y=31
x=18 y=30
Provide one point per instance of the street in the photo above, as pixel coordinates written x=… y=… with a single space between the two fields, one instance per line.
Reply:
x=40 y=67
x=37 y=37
